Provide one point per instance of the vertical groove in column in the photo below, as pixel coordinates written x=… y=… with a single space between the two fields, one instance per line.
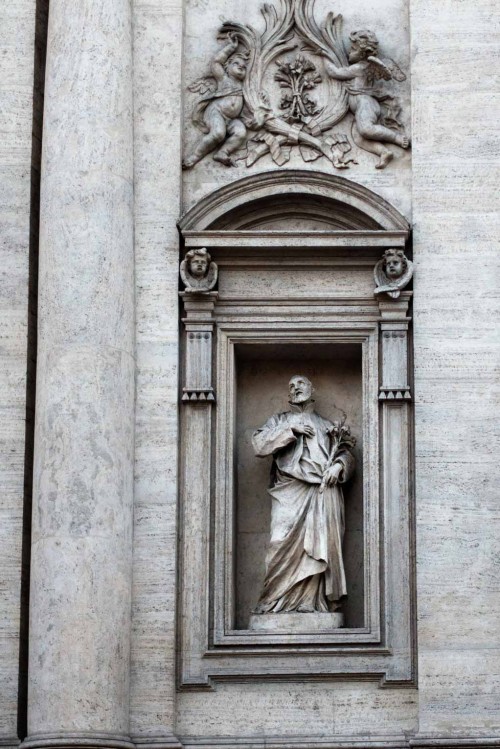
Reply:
x=84 y=435
x=17 y=88
x=39 y=59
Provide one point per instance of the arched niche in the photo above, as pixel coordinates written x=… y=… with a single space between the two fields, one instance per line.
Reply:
x=295 y=252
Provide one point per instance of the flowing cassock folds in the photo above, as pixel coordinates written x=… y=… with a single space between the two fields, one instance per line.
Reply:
x=304 y=565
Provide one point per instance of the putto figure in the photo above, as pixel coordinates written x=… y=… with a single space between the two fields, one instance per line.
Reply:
x=198 y=272
x=311 y=460
x=376 y=114
x=217 y=114
x=392 y=273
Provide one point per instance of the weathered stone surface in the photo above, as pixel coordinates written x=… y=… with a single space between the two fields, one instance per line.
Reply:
x=298 y=709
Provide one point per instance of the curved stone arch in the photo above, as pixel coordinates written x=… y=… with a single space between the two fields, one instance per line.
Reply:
x=331 y=199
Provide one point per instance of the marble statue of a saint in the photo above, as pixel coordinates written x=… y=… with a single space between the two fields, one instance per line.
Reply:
x=311 y=460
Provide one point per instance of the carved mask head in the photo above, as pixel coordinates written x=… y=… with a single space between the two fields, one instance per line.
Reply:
x=236 y=67
x=300 y=389
x=363 y=44
x=198 y=262
x=395 y=264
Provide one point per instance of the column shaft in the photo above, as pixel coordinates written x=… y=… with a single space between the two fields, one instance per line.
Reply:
x=83 y=472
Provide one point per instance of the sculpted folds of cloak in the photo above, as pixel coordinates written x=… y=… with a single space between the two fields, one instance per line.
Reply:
x=304 y=564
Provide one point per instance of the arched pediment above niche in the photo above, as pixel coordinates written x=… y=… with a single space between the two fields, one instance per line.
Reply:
x=293 y=200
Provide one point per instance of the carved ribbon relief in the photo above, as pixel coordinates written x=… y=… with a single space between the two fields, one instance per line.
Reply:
x=289 y=86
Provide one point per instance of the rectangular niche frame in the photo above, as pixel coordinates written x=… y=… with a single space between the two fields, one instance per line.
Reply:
x=223 y=583
x=210 y=649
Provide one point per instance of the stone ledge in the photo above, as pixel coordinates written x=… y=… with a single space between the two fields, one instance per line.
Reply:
x=297 y=622
x=72 y=740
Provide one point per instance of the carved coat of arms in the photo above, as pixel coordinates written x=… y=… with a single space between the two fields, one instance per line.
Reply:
x=287 y=87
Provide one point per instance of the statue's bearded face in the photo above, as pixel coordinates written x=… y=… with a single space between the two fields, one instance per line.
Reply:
x=300 y=389
x=394 y=267
x=198 y=266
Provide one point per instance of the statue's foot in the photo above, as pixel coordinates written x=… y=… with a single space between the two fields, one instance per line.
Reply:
x=404 y=141
x=258 y=610
x=385 y=158
x=340 y=164
x=224 y=158
x=188 y=164
x=305 y=609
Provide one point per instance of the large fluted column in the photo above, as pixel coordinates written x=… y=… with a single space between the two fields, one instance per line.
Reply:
x=83 y=473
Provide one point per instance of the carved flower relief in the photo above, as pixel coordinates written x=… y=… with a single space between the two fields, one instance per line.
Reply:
x=298 y=77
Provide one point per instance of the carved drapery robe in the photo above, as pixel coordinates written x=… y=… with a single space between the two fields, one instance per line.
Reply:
x=304 y=564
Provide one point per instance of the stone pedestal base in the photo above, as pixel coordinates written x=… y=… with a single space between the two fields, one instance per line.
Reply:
x=296 y=622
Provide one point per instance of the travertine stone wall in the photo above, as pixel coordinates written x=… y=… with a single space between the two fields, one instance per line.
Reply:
x=455 y=202
x=17 y=34
x=157 y=158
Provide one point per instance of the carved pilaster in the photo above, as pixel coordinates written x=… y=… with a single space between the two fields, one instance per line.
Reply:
x=195 y=475
x=395 y=394
x=394 y=329
x=198 y=322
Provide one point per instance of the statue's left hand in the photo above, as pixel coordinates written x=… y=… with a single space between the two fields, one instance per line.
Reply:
x=332 y=474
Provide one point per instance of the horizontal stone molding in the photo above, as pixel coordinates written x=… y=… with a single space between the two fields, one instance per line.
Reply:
x=339 y=742
x=73 y=740
x=157 y=742
x=454 y=742
x=263 y=239
x=9 y=741
x=230 y=742
x=295 y=742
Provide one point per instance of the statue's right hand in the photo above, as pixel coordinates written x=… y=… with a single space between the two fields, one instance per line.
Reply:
x=232 y=40
x=305 y=429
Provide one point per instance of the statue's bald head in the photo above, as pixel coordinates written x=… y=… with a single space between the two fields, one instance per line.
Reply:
x=300 y=389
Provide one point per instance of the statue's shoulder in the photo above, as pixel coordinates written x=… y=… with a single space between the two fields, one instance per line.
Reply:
x=277 y=417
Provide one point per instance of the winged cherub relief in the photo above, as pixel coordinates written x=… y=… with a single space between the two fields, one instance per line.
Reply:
x=198 y=271
x=217 y=114
x=243 y=117
x=392 y=273
x=376 y=113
